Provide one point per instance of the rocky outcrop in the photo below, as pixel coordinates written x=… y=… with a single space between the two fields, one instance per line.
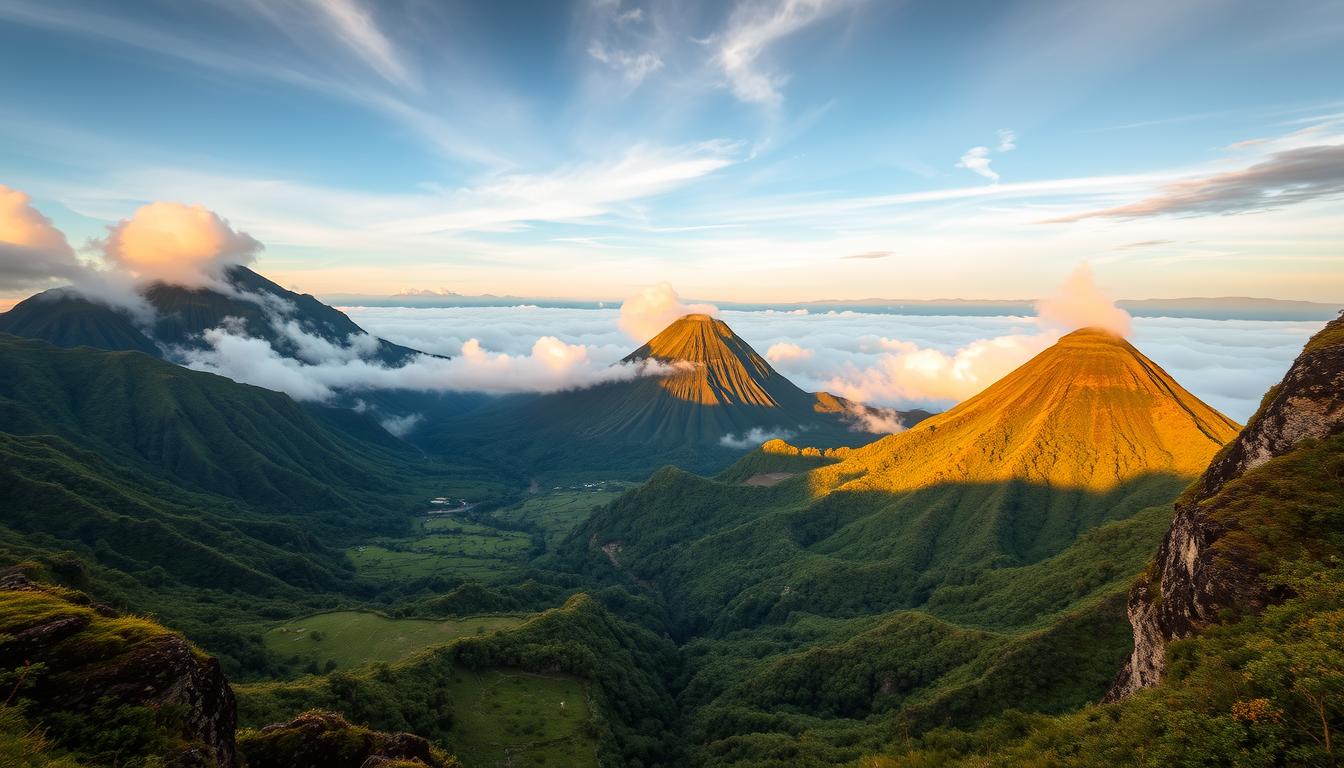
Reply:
x=91 y=656
x=1193 y=580
x=327 y=740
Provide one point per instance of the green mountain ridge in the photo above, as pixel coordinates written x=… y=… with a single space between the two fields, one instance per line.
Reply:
x=201 y=499
x=201 y=429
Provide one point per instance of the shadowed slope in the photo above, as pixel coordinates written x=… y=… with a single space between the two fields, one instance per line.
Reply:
x=66 y=319
x=203 y=431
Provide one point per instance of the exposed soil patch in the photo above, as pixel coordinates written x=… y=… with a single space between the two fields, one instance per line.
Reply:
x=767 y=479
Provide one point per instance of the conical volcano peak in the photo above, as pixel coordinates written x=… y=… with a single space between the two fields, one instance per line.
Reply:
x=1089 y=412
x=699 y=338
x=726 y=370
x=1094 y=336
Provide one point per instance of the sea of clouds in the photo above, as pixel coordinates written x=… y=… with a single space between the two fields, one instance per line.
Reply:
x=899 y=361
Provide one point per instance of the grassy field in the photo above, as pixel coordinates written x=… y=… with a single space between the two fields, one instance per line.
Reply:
x=487 y=548
x=522 y=720
x=556 y=512
x=353 y=638
x=447 y=546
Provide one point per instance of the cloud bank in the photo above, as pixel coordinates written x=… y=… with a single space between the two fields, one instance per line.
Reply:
x=1227 y=363
x=908 y=374
x=323 y=369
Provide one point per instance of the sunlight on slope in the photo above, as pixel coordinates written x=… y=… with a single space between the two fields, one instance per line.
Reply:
x=1090 y=412
x=730 y=371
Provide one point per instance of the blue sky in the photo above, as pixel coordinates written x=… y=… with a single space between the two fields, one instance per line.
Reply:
x=742 y=150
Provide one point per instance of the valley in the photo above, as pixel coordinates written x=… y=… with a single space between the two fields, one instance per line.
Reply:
x=827 y=599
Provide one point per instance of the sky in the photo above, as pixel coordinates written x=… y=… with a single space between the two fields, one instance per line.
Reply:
x=741 y=150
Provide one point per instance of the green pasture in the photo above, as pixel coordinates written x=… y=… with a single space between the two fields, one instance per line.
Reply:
x=355 y=638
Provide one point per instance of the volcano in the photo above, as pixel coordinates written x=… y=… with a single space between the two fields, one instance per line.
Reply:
x=719 y=387
x=713 y=396
x=1090 y=412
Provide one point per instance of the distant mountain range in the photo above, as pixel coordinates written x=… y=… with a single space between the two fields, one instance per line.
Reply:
x=1209 y=308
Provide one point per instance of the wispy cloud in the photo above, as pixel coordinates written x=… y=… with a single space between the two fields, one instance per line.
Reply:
x=1007 y=140
x=573 y=193
x=305 y=64
x=354 y=26
x=870 y=255
x=752 y=29
x=1284 y=178
x=1138 y=244
x=623 y=39
x=977 y=160
x=634 y=67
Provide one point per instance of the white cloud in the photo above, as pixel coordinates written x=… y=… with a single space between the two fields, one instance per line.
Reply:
x=551 y=365
x=752 y=28
x=401 y=425
x=651 y=310
x=786 y=352
x=179 y=244
x=754 y=437
x=1080 y=303
x=33 y=252
x=909 y=374
x=1007 y=140
x=874 y=419
x=977 y=160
